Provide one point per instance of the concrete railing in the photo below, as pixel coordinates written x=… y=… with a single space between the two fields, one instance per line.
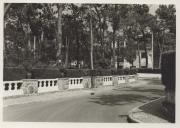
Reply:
x=131 y=78
x=12 y=88
x=107 y=80
x=121 y=79
x=47 y=85
x=75 y=83
x=28 y=86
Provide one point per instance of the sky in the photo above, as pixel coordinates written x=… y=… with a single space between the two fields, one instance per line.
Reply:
x=153 y=8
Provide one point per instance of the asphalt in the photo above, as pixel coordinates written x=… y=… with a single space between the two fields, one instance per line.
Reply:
x=105 y=106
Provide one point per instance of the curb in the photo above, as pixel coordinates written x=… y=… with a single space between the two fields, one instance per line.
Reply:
x=130 y=117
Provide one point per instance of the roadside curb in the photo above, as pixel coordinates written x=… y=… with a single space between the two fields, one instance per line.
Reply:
x=132 y=119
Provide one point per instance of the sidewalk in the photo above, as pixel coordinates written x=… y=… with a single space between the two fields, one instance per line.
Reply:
x=151 y=112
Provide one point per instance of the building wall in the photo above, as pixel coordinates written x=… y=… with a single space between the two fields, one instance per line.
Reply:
x=143 y=60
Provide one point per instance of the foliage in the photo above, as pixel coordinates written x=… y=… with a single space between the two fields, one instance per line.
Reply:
x=148 y=70
x=168 y=69
x=130 y=53
x=49 y=73
x=88 y=33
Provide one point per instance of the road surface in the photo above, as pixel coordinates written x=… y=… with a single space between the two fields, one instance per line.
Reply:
x=110 y=104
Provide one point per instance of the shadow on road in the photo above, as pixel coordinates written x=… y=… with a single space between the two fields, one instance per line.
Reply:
x=143 y=90
x=120 y=99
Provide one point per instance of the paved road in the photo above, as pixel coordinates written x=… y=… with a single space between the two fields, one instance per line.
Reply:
x=109 y=105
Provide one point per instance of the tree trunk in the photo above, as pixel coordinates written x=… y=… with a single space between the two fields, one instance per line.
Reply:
x=40 y=46
x=77 y=52
x=91 y=38
x=160 y=49
x=6 y=8
x=139 y=56
x=34 y=47
x=103 y=45
x=160 y=55
x=114 y=51
x=67 y=53
x=59 y=33
x=118 y=54
x=145 y=48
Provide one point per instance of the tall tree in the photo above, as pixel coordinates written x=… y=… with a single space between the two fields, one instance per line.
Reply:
x=165 y=28
x=145 y=20
x=117 y=14
x=59 y=33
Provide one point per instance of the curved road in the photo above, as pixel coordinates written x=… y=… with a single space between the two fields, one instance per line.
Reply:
x=110 y=104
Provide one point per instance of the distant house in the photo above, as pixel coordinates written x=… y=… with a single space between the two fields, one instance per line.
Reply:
x=140 y=60
x=73 y=64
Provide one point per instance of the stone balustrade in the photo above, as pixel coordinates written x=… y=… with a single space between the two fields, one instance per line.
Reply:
x=107 y=80
x=12 y=88
x=121 y=79
x=47 y=85
x=29 y=86
x=75 y=83
x=132 y=78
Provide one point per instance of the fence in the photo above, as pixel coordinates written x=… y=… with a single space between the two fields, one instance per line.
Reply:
x=12 y=88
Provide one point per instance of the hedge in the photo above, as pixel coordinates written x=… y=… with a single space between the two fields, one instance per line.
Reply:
x=13 y=74
x=20 y=73
x=148 y=70
x=168 y=69
x=46 y=73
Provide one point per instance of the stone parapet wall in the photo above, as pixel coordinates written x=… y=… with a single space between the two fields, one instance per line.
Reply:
x=33 y=86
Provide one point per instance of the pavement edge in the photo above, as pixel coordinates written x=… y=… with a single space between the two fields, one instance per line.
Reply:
x=132 y=119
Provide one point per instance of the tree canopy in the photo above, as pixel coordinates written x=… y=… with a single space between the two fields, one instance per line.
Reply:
x=84 y=35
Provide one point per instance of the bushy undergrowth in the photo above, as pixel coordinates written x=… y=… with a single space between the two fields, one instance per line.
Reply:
x=50 y=73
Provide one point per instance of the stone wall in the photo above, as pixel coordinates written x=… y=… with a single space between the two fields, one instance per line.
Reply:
x=30 y=86
x=86 y=82
x=63 y=83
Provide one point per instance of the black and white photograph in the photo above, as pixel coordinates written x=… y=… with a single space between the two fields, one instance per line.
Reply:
x=89 y=62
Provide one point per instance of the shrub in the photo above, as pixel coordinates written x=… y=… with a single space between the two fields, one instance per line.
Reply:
x=50 y=73
x=13 y=74
x=46 y=73
x=148 y=70
x=168 y=70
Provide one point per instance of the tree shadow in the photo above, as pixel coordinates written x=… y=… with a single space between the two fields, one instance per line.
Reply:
x=142 y=90
x=120 y=99
x=154 y=82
